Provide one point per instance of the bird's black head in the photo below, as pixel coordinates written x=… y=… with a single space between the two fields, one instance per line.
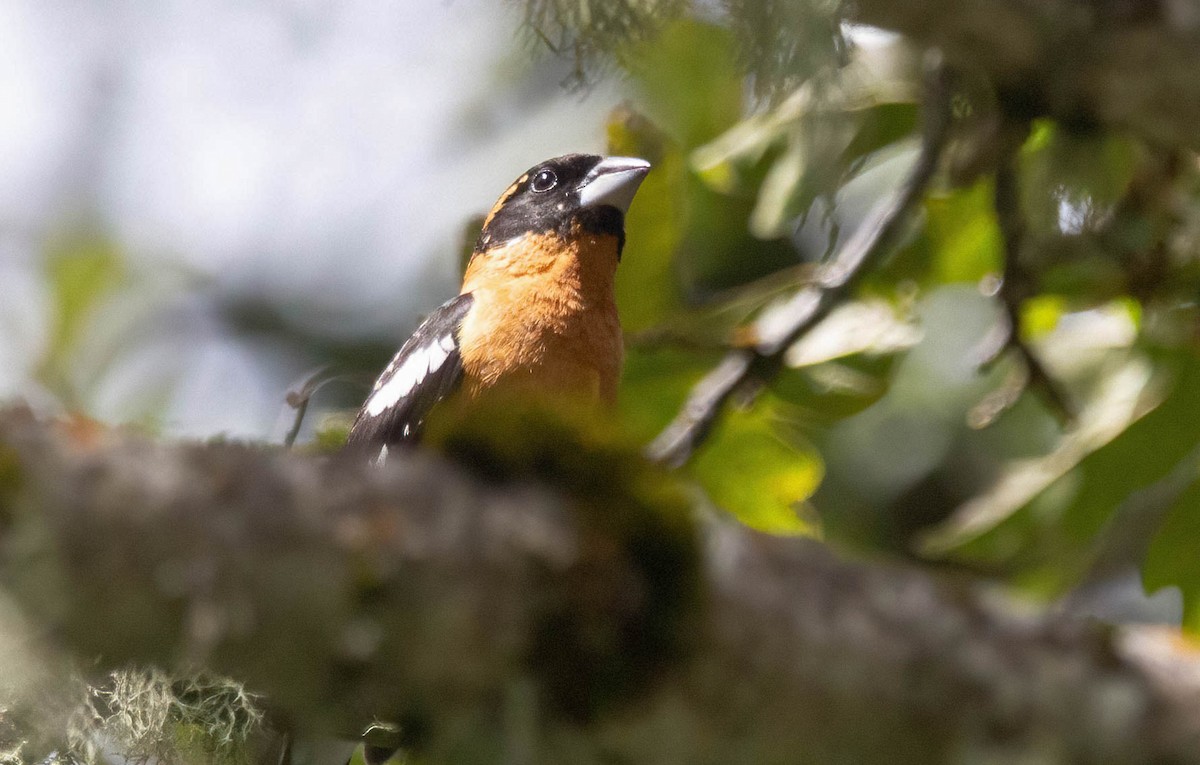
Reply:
x=558 y=194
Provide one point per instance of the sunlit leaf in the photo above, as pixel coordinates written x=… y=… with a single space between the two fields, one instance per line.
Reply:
x=722 y=162
x=778 y=193
x=816 y=138
x=863 y=326
x=1040 y=315
x=964 y=235
x=757 y=467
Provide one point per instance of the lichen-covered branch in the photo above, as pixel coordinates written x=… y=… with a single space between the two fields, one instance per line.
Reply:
x=494 y=618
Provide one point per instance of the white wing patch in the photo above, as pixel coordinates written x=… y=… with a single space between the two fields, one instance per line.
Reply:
x=381 y=458
x=427 y=368
x=401 y=381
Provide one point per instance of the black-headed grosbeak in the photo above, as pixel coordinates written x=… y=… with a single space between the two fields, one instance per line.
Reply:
x=536 y=310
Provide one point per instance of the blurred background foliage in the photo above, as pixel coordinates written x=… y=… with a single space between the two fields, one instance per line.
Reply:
x=188 y=230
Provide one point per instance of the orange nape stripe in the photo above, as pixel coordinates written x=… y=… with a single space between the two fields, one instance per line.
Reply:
x=507 y=195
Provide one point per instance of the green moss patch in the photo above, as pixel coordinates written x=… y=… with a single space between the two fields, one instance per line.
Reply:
x=623 y=611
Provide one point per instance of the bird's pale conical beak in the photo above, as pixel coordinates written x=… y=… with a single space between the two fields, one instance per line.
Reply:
x=613 y=181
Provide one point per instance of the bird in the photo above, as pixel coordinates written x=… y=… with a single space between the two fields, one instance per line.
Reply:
x=536 y=312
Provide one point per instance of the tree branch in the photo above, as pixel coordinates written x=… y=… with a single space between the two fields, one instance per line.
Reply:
x=494 y=618
x=1016 y=285
x=744 y=369
x=1123 y=65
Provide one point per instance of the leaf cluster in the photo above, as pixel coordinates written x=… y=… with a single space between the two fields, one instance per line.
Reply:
x=1024 y=374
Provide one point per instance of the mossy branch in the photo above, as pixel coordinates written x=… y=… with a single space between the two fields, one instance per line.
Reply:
x=476 y=611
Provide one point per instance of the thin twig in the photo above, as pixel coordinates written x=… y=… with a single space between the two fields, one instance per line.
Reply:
x=747 y=368
x=298 y=400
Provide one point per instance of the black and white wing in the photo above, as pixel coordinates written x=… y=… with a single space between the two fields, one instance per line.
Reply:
x=427 y=368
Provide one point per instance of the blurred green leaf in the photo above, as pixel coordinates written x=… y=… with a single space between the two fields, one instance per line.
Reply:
x=780 y=197
x=688 y=81
x=655 y=384
x=881 y=125
x=1173 y=558
x=82 y=270
x=809 y=145
x=1060 y=503
x=754 y=176
x=1071 y=180
x=830 y=156
x=963 y=234
x=833 y=391
x=1083 y=274
x=1041 y=314
x=843 y=365
x=647 y=284
x=756 y=466
x=331 y=432
x=718 y=252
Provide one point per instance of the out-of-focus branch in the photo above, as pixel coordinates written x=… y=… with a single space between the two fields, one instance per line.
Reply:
x=743 y=369
x=1121 y=65
x=1015 y=286
x=474 y=613
x=298 y=400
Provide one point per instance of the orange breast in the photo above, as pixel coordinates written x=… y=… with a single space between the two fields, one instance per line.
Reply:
x=544 y=318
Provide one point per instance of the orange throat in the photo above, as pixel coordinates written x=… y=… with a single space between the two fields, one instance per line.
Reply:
x=544 y=318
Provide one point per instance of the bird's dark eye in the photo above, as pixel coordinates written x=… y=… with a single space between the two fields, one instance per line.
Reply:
x=543 y=180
